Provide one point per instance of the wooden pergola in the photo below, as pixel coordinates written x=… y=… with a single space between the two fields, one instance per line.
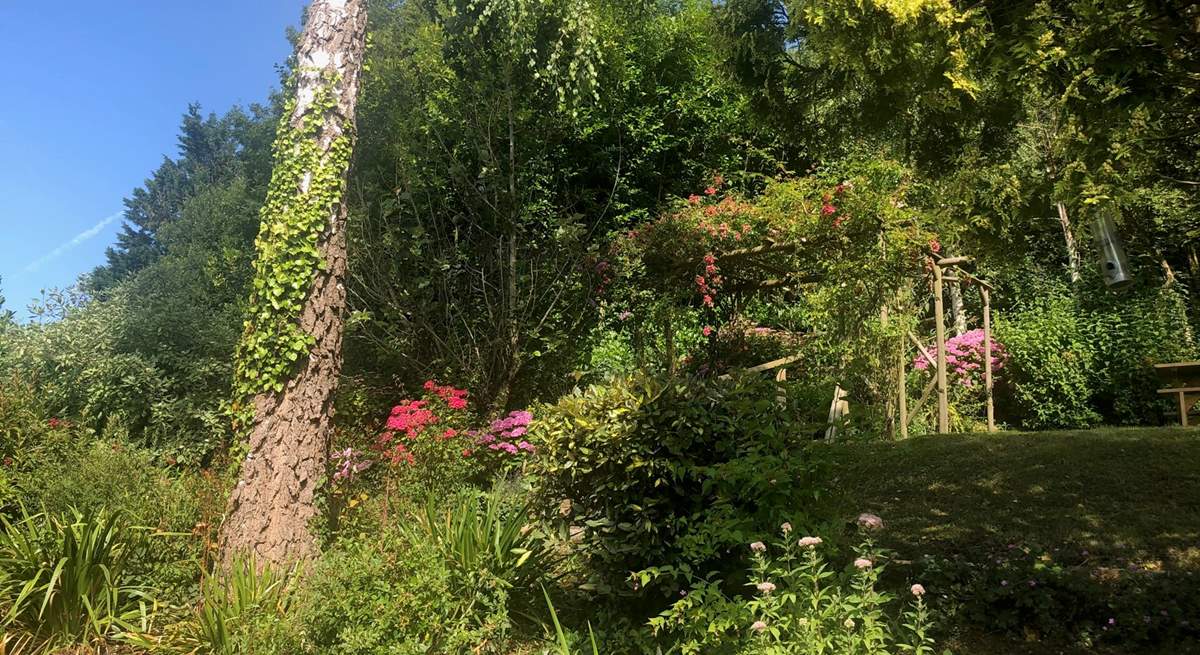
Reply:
x=957 y=275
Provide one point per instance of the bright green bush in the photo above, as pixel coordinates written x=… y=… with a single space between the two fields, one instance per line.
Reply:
x=1050 y=363
x=390 y=594
x=682 y=472
x=474 y=535
x=65 y=580
x=1074 y=363
x=1131 y=332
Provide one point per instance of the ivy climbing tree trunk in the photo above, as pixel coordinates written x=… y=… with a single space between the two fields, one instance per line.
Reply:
x=290 y=354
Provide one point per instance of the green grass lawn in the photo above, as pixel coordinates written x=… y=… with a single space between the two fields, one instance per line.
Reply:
x=1114 y=497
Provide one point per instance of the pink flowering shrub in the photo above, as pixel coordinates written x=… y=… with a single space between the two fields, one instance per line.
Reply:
x=423 y=441
x=434 y=444
x=507 y=435
x=964 y=358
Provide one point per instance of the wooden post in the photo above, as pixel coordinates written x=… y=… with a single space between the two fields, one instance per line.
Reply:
x=943 y=421
x=987 y=357
x=669 y=334
x=781 y=377
x=837 y=410
x=902 y=388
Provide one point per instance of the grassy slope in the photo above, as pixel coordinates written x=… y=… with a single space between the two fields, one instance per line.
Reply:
x=1122 y=495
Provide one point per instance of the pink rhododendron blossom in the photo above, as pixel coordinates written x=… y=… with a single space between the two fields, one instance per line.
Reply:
x=964 y=357
x=710 y=191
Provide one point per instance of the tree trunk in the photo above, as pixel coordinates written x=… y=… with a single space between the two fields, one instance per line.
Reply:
x=958 y=314
x=1072 y=247
x=273 y=503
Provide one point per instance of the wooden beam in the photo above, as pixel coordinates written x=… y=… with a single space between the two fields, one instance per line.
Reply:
x=943 y=392
x=767 y=249
x=955 y=261
x=773 y=364
x=929 y=358
x=972 y=279
x=925 y=393
x=902 y=391
x=782 y=361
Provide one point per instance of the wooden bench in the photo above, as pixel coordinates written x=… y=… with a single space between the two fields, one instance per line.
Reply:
x=1183 y=380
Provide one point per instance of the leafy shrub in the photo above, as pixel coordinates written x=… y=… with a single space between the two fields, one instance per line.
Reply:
x=679 y=472
x=1075 y=363
x=799 y=605
x=64 y=579
x=394 y=594
x=474 y=535
x=1050 y=364
x=241 y=613
x=180 y=510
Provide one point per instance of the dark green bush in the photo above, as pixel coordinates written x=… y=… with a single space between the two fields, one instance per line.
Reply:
x=683 y=473
x=1131 y=332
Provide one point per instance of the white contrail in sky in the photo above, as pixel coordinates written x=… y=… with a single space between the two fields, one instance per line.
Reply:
x=75 y=241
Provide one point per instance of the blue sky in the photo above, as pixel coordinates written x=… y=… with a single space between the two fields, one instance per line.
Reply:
x=91 y=100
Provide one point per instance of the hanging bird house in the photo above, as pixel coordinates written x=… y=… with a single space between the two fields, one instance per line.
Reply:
x=1114 y=267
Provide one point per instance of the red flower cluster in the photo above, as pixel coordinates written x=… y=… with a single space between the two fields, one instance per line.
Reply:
x=829 y=209
x=707 y=287
x=411 y=417
x=55 y=423
x=455 y=398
